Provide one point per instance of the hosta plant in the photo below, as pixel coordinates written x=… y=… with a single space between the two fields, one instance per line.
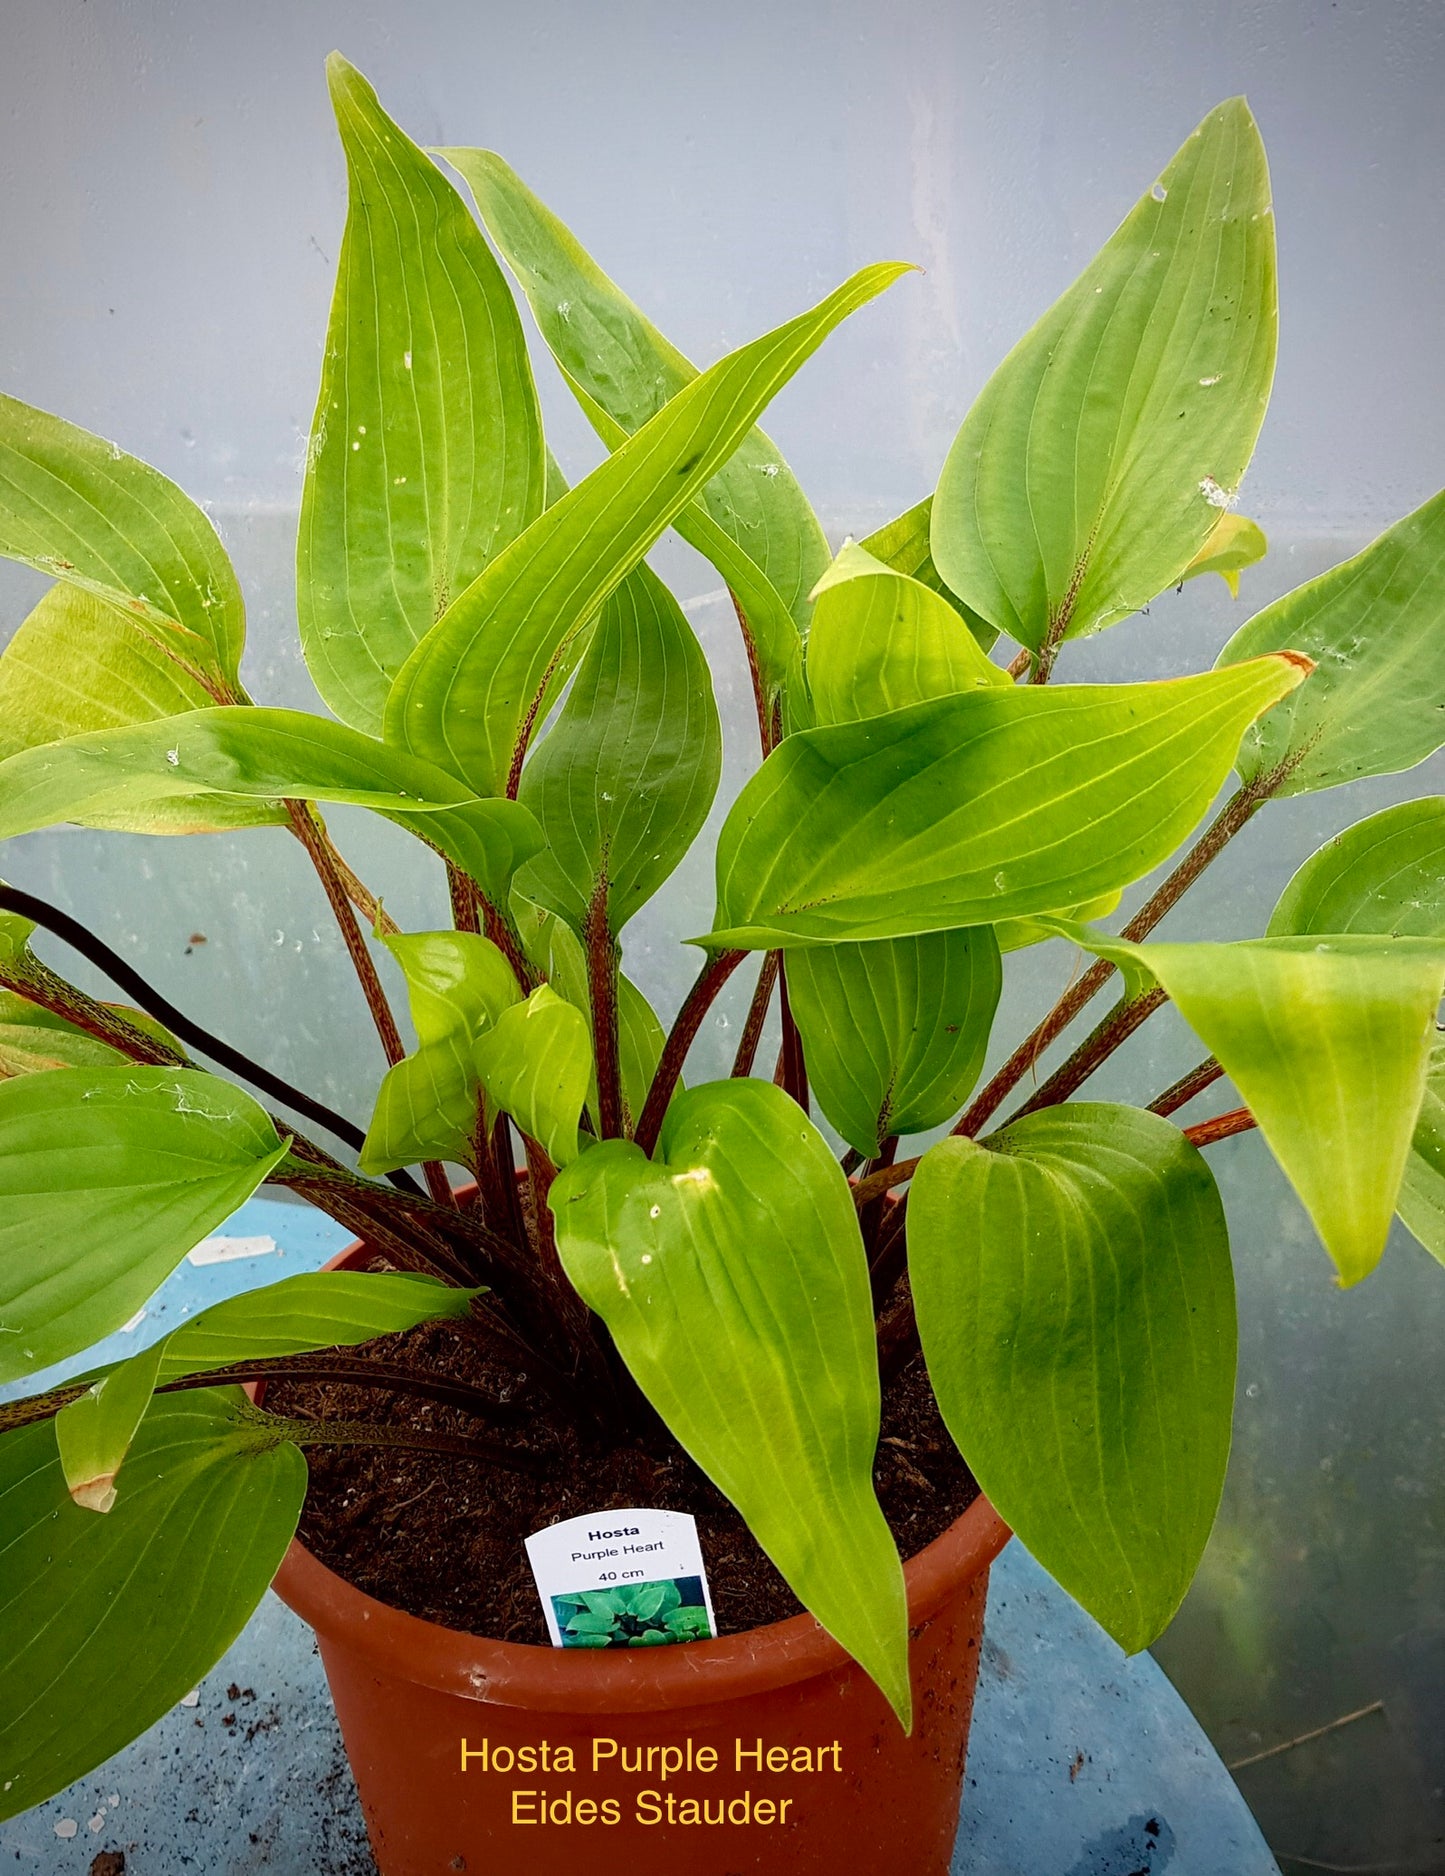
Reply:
x=938 y=785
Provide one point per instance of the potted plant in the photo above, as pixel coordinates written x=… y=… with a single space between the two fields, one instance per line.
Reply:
x=669 y=1295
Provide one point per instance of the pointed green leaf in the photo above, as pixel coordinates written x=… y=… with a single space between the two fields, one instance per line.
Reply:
x=471 y=690
x=880 y=641
x=322 y=1309
x=1016 y=934
x=1373 y=626
x=427 y=1108
x=147 y=1599
x=426 y=453
x=94 y=1432
x=265 y=756
x=905 y=545
x=1327 y=1040
x=535 y=1062
x=1422 y=1189
x=1094 y=465
x=1235 y=544
x=731 y=1273
x=1386 y=874
x=77 y=507
x=81 y=663
x=894 y=1032
x=624 y=779
x=750 y=519
x=108 y=1176
x=997 y=804
x=1076 y=1306
x=15 y=934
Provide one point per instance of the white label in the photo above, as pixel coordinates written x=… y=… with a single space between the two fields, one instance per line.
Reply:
x=622 y=1579
x=227 y=1250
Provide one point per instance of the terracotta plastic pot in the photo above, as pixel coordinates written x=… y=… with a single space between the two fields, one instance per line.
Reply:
x=764 y=1751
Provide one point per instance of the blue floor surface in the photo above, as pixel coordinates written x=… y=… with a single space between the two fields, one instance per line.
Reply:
x=1082 y=1763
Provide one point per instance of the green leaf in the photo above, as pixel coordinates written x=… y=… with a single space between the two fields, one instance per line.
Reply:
x=262 y=755
x=33 y=1039
x=426 y=453
x=1422 y=1189
x=1373 y=626
x=15 y=935
x=80 y=663
x=108 y=1176
x=750 y=518
x=427 y=1107
x=1093 y=467
x=997 y=804
x=556 y=950
x=1327 y=1040
x=894 y=1032
x=731 y=1273
x=1386 y=874
x=880 y=641
x=585 y=1624
x=905 y=545
x=75 y=506
x=1076 y=1306
x=535 y=1062
x=1235 y=544
x=1016 y=934
x=146 y=1600
x=469 y=693
x=324 y=1309
x=624 y=779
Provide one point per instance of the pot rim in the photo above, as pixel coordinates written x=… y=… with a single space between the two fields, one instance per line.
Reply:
x=523 y=1674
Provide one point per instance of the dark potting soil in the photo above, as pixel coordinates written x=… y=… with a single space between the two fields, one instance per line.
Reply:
x=441 y=1536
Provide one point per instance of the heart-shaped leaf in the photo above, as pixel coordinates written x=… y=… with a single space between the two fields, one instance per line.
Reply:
x=428 y=1105
x=469 y=694
x=426 y=453
x=1327 y=1039
x=1373 y=626
x=731 y=1273
x=997 y=804
x=1094 y=465
x=147 y=1599
x=1075 y=1301
x=894 y=1032
x=535 y=1062
x=624 y=779
x=77 y=507
x=880 y=641
x=108 y=1176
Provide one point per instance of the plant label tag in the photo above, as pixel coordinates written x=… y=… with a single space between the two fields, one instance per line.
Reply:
x=622 y=1579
